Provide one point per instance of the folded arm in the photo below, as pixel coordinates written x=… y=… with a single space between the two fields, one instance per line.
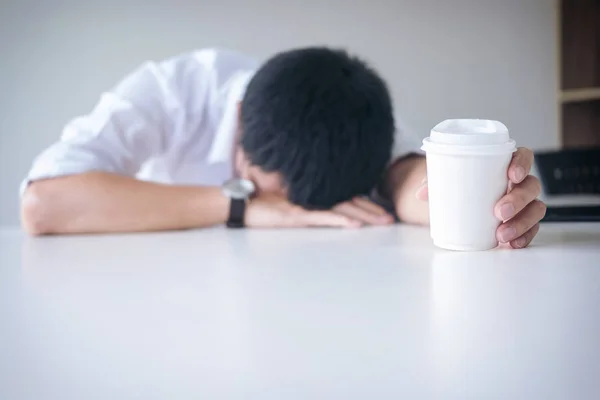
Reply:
x=86 y=181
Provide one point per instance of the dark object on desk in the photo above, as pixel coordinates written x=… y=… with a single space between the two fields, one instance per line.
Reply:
x=570 y=171
x=572 y=214
x=573 y=172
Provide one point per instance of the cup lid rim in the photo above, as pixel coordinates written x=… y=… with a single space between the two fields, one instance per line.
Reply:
x=478 y=149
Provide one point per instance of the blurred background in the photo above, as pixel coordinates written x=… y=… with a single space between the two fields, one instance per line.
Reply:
x=495 y=59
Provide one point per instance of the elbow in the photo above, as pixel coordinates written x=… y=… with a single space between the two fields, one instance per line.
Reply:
x=35 y=210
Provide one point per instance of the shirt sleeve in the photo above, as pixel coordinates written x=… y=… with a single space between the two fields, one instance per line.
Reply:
x=405 y=142
x=130 y=124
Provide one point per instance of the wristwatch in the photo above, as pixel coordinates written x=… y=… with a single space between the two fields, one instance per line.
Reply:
x=239 y=191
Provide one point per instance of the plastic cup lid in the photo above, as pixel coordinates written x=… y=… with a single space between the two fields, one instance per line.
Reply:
x=469 y=136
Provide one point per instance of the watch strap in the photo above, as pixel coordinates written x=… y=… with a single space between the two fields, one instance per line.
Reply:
x=237 y=211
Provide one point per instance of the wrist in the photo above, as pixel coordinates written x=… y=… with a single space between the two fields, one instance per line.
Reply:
x=239 y=192
x=209 y=206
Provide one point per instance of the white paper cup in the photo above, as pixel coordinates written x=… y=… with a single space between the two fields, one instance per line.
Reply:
x=467 y=162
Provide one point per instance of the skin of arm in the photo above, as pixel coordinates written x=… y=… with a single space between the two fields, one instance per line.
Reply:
x=98 y=202
x=405 y=178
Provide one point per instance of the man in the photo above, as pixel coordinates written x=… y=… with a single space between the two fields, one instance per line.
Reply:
x=210 y=138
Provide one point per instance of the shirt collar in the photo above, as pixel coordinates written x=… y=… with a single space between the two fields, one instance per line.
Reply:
x=222 y=146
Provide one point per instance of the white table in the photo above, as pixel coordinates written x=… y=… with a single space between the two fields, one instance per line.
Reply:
x=376 y=313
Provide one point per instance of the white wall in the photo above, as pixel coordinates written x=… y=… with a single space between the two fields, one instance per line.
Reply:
x=442 y=58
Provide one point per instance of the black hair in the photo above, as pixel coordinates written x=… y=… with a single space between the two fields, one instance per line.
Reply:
x=321 y=118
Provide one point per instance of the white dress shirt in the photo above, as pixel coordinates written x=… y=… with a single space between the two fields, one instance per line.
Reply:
x=172 y=121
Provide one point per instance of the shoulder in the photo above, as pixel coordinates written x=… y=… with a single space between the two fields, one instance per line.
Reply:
x=219 y=57
x=187 y=81
x=220 y=62
x=206 y=68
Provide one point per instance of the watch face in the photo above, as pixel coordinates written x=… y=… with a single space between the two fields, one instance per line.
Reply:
x=238 y=188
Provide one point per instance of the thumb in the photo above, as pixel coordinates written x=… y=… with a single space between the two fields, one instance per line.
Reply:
x=422 y=192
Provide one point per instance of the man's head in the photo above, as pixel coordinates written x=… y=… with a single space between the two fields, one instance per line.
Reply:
x=317 y=124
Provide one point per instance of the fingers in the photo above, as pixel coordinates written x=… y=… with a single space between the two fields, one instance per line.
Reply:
x=522 y=223
x=518 y=198
x=325 y=218
x=520 y=165
x=369 y=206
x=364 y=211
x=350 y=214
x=526 y=238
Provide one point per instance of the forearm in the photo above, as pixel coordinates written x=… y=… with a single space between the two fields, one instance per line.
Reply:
x=401 y=183
x=103 y=203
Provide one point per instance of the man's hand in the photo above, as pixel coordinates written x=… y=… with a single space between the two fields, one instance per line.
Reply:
x=519 y=209
x=364 y=211
x=269 y=211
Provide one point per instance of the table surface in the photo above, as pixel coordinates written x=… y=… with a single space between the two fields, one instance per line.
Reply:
x=374 y=313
